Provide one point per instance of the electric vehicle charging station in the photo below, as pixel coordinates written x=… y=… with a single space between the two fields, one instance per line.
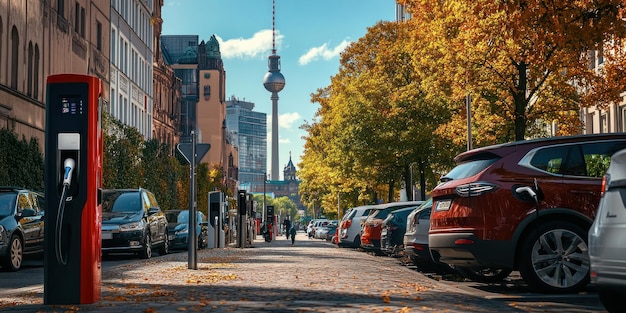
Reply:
x=242 y=219
x=216 y=219
x=73 y=177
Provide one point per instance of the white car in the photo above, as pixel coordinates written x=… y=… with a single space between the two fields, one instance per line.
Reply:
x=416 y=235
x=607 y=248
x=350 y=226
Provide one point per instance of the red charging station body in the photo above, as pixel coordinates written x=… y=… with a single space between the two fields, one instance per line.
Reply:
x=73 y=178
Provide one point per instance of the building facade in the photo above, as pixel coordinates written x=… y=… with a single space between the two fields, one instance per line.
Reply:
x=180 y=52
x=166 y=91
x=43 y=38
x=249 y=129
x=203 y=103
x=131 y=89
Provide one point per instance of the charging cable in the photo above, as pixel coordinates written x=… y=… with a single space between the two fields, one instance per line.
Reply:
x=68 y=165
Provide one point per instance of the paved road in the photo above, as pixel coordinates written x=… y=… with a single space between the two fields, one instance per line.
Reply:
x=311 y=276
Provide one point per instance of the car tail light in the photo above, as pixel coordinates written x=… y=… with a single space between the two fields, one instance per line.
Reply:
x=346 y=224
x=475 y=189
x=419 y=246
x=606 y=179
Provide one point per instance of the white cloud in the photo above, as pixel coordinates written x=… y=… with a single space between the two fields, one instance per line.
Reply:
x=259 y=45
x=322 y=52
x=285 y=121
x=288 y=119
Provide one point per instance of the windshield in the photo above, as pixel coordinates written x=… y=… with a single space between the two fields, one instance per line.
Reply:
x=7 y=204
x=129 y=202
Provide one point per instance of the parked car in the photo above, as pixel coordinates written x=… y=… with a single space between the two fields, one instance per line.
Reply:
x=607 y=248
x=392 y=231
x=178 y=229
x=21 y=226
x=327 y=231
x=314 y=224
x=484 y=204
x=132 y=222
x=415 y=238
x=371 y=228
x=322 y=228
x=350 y=226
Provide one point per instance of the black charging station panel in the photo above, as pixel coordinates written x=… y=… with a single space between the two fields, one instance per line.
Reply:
x=72 y=242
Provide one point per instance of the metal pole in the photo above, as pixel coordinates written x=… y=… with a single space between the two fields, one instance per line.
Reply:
x=338 y=207
x=191 y=253
x=468 y=101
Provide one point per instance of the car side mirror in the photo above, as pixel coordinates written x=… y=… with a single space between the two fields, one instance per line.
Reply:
x=27 y=213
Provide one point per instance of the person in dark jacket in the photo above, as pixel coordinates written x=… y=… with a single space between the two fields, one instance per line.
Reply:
x=287 y=225
x=292 y=232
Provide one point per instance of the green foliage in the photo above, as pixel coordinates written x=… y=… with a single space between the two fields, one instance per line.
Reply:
x=21 y=161
x=597 y=165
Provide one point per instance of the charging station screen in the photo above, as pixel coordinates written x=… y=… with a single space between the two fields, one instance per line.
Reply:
x=72 y=105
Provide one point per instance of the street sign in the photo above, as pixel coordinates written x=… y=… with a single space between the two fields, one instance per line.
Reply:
x=201 y=150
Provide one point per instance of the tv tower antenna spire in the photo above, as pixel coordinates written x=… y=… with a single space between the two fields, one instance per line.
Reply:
x=274 y=82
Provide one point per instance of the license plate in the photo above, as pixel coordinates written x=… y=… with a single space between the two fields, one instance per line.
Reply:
x=107 y=235
x=443 y=205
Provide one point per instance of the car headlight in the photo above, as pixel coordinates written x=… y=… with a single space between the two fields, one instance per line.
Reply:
x=130 y=226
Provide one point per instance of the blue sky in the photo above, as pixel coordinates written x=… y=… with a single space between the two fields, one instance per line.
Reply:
x=310 y=34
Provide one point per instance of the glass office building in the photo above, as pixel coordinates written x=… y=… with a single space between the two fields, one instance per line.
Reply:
x=249 y=129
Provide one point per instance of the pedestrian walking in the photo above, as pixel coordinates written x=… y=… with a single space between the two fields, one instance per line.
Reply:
x=287 y=226
x=292 y=232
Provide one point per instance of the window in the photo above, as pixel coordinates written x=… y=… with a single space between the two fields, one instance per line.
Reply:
x=622 y=111
x=61 y=8
x=77 y=18
x=82 y=23
x=550 y=159
x=98 y=36
x=598 y=156
x=29 y=88
x=604 y=124
x=36 y=73
x=114 y=46
x=15 y=43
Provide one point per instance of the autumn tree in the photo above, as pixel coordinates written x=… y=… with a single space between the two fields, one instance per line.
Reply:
x=373 y=123
x=520 y=61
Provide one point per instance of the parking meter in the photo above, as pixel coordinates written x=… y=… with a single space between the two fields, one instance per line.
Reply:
x=73 y=177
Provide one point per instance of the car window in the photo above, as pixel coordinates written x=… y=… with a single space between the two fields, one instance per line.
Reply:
x=41 y=203
x=7 y=203
x=122 y=202
x=598 y=156
x=550 y=159
x=34 y=200
x=468 y=169
x=22 y=202
x=152 y=202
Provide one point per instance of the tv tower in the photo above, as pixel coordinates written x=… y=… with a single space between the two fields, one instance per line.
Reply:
x=274 y=82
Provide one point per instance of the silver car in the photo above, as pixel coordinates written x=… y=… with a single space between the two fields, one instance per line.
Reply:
x=607 y=237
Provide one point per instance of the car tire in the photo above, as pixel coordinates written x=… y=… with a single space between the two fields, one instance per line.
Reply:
x=552 y=251
x=484 y=275
x=165 y=247
x=13 y=261
x=146 y=252
x=357 y=241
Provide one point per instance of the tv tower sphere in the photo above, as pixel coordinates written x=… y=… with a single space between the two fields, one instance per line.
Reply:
x=274 y=81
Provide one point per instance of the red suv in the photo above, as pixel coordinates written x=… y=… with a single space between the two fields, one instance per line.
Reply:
x=524 y=206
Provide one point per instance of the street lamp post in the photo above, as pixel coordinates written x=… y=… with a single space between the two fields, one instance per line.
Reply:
x=411 y=181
